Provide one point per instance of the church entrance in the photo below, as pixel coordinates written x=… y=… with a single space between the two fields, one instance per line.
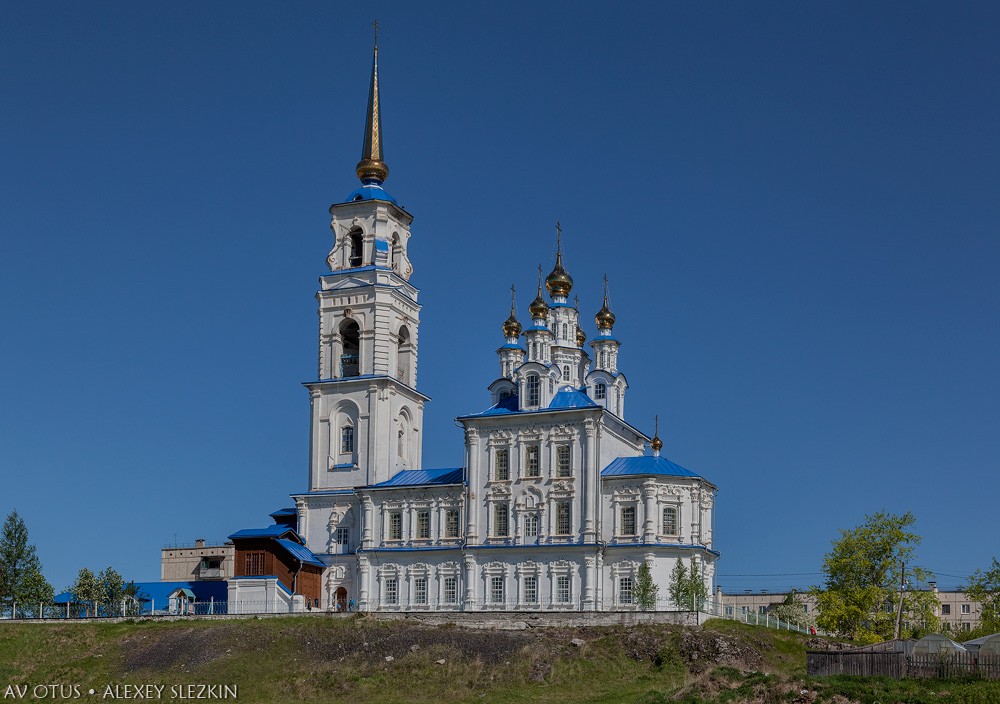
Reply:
x=340 y=596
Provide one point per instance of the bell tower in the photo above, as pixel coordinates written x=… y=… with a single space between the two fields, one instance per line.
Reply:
x=367 y=415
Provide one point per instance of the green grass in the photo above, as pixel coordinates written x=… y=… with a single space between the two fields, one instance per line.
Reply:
x=333 y=660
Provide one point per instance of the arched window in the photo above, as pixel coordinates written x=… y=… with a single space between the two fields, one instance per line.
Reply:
x=350 y=359
x=404 y=352
x=347 y=440
x=401 y=443
x=670 y=520
x=395 y=252
x=600 y=391
x=565 y=372
x=533 y=388
x=565 y=331
x=504 y=393
x=357 y=245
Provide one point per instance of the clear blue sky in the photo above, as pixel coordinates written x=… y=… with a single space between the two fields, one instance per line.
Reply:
x=796 y=205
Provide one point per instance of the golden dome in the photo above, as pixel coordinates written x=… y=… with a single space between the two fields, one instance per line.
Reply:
x=511 y=327
x=605 y=319
x=656 y=443
x=559 y=282
x=539 y=308
x=581 y=336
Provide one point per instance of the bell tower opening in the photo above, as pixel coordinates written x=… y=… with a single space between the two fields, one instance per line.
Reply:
x=357 y=245
x=404 y=354
x=350 y=359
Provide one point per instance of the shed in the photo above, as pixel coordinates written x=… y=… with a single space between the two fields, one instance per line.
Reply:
x=987 y=644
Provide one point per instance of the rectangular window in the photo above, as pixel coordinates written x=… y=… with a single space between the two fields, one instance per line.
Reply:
x=451 y=590
x=945 y=609
x=501 y=525
x=563 y=516
x=423 y=525
x=343 y=536
x=762 y=608
x=496 y=590
x=534 y=391
x=600 y=391
x=562 y=589
x=451 y=524
x=395 y=526
x=420 y=590
x=670 y=520
x=531 y=526
x=346 y=440
x=966 y=626
x=391 y=590
x=253 y=563
x=625 y=587
x=501 y=464
x=562 y=461
x=628 y=520
x=531 y=590
x=531 y=466
x=966 y=609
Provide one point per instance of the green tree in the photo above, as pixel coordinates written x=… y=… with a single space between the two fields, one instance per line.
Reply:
x=791 y=610
x=117 y=595
x=864 y=572
x=646 y=590
x=984 y=587
x=21 y=578
x=687 y=587
x=87 y=592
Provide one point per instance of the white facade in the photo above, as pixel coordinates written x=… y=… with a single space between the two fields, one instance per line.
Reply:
x=559 y=501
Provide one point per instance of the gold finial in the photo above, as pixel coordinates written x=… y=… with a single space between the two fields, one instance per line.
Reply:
x=371 y=166
x=539 y=308
x=511 y=327
x=605 y=319
x=559 y=282
x=656 y=444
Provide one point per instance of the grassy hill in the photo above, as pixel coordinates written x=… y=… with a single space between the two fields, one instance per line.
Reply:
x=309 y=659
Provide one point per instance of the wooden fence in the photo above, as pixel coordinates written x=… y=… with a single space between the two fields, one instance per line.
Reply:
x=900 y=665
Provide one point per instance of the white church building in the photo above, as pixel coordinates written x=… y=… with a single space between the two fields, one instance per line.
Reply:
x=560 y=499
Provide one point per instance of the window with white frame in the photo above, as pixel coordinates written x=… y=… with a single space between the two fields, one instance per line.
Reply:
x=496 y=589
x=966 y=609
x=565 y=372
x=420 y=590
x=501 y=464
x=391 y=590
x=563 y=461
x=966 y=626
x=531 y=589
x=563 y=592
x=563 y=517
x=395 y=525
x=531 y=525
x=625 y=590
x=552 y=385
x=450 y=595
x=628 y=520
x=600 y=391
x=565 y=330
x=343 y=536
x=501 y=520
x=534 y=391
x=451 y=524
x=347 y=440
x=531 y=464
x=423 y=525
x=670 y=520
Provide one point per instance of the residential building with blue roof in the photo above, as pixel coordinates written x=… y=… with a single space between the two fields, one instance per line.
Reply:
x=560 y=499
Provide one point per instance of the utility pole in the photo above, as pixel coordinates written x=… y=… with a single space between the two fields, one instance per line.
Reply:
x=899 y=611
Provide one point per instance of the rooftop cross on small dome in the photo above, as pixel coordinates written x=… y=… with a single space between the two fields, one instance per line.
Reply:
x=511 y=326
x=656 y=444
x=539 y=308
x=605 y=319
x=559 y=282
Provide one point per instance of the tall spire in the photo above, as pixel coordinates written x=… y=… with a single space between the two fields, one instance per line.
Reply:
x=371 y=167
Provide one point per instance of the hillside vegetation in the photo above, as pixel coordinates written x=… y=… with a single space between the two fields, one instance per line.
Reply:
x=357 y=659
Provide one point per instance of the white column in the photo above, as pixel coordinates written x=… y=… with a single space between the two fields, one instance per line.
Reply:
x=649 y=525
x=472 y=457
x=590 y=481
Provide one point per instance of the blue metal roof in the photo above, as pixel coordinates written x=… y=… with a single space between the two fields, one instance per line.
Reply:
x=282 y=512
x=568 y=397
x=623 y=466
x=300 y=552
x=275 y=531
x=538 y=328
x=510 y=346
x=371 y=190
x=503 y=407
x=605 y=338
x=422 y=477
x=158 y=593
